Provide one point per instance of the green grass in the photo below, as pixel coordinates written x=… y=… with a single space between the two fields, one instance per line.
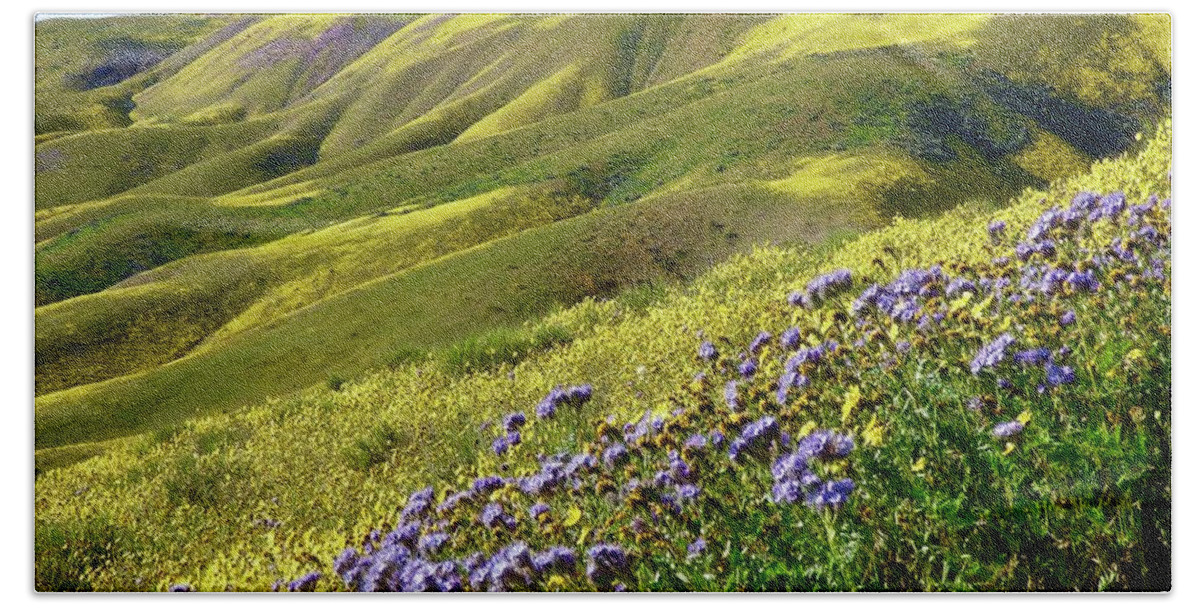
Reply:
x=248 y=212
x=1080 y=500
x=100 y=164
x=162 y=314
x=66 y=50
x=436 y=304
x=263 y=68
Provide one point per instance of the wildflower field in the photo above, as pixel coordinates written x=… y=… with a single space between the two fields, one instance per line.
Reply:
x=975 y=401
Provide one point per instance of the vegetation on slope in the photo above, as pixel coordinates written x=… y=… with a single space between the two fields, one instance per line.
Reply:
x=966 y=473
x=86 y=71
x=167 y=279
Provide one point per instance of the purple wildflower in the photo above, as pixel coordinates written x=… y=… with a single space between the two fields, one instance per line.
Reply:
x=787 y=490
x=748 y=368
x=452 y=501
x=959 y=286
x=708 y=352
x=578 y=395
x=580 y=462
x=756 y=438
x=828 y=283
x=992 y=353
x=493 y=516
x=1034 y=356
x=784 y=385
x=905 y=310
x=418 y=503
x=1052 y=280
x=792 y=475
x=483 y=485
x=1007 y=429
x=731 y=395
x=831 y=494
x=548 y=406
x=869 y=297
x=514 y=421
x=403 y=535
x=760 y=341
x=1147 y=233
x=913 y=280
x=431 y=543
x=307 y=582
x=790 y=338
x=680 y=470
x=825 y=444
x=607 y=564
x=1043 y=224
x=688 y=492
x=1083 y=281
x=615 y=455
x=1024 y=251
x=1108 y=207
x=347 y=566
x=1058 y=375
x=560 y=560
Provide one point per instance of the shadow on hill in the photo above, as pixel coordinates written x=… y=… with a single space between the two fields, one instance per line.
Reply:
x=121 y=58
x=1095 y=131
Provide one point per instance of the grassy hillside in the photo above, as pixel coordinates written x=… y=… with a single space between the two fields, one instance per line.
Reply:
x=295 y=197
x=86 y=71
x=432 y=305
x=1018 y=470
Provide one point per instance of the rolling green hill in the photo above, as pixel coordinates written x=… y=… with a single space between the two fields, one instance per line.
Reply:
x=1078 y=497
x=234 y=208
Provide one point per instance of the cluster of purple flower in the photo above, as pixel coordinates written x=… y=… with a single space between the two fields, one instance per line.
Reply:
x=646 y=426
x=558 y=471
x=995 y=229
x=756 y=439
x=992 y=353
x=900 y=298
x=732 y=398
x=573 y=396
x=821 y=287
x=1008 y=429
x=397 y=565
x=515 y=567
x=501 y=444
x=407 y=558
x=761 y=340
x=795 y=479
x=789 y=380
x=607 y=566
x=810 y=355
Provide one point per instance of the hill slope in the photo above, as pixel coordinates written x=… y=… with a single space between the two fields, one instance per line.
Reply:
x=971 y=470
x=267 y=198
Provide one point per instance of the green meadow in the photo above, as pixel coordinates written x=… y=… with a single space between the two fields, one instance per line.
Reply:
x=286 y=266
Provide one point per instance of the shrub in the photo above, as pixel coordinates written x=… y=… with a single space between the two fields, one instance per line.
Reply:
x=375 y=447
